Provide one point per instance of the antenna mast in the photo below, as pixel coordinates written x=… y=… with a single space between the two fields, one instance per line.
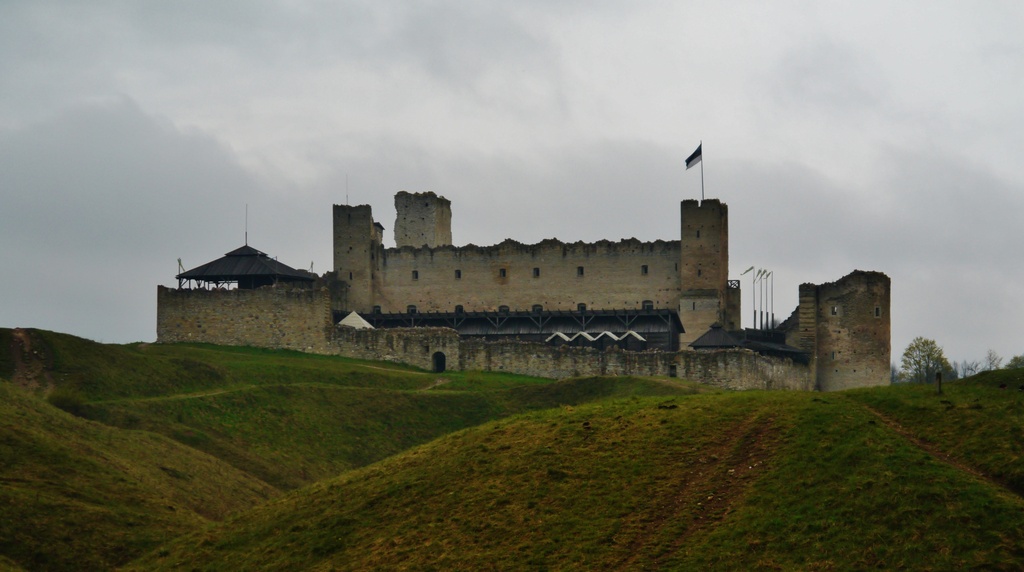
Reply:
x=247 y=224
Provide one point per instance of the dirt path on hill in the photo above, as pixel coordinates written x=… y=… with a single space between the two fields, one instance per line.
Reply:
x=707 y=488
x=30 y=364
x=939 y=454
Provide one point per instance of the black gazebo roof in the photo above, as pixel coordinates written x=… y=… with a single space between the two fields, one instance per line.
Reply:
x=247 y=266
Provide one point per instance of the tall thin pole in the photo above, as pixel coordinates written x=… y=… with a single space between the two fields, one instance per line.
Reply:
x=701 y=170
x=247 y=224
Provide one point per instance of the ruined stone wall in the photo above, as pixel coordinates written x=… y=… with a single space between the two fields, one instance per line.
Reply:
x=268 y=317
x=299 y=319
x=553 y=274
x=424 y=219
x=734 y=369
x=413 y=346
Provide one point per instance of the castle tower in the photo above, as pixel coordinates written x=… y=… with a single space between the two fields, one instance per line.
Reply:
x=423 y=219
x=358 y=250
x=704 y=269
x=845 y=327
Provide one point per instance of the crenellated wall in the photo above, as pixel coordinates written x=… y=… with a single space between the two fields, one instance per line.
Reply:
x=553 y=274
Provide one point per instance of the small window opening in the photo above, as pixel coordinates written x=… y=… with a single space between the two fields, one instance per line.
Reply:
x=349 y=275
x=410 y=309
x=672 y=372
x=699 y=272
x=878 y=311
x=376 y=309
x=835 y=310
x=503 y=309
x=458 y=275
x=694 y=307
x=536 y=272
x=459 y=309
x=581 y=307
x=698 y=234
x=415 y=274
x=579 y=271
x=537 y=309
x=643 y=270
x=502 y=272
x=647 y=304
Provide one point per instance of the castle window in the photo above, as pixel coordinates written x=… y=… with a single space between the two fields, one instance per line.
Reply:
x=537 y=309
x=503 y=309
x=698 y=233
x=643 y=270
x=699 y=272
x=376 y=309
x=410 y=309
x=694 y=307
x=458 y=275
x=878 y=311
x=536 y=272
x=647 y=305
x=459 y=309
x=349 y=275
x=502 y=272
x=579 y=271
x=833 y=355
x=835 y=310
x=581 y=307
x=415 y=274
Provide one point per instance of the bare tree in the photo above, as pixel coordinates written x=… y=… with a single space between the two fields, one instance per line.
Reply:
x=992 y=361
x=966 y=368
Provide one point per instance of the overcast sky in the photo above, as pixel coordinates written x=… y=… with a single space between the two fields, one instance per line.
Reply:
x=880 y=136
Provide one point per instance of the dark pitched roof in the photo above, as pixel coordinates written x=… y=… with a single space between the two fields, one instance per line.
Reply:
x=714 y=338
x=245 y=264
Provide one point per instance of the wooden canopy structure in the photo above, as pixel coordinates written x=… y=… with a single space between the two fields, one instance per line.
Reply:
x=247 y=267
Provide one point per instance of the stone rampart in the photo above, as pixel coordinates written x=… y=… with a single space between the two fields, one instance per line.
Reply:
x=300 y=319
x=727 y=369
x=268 y=317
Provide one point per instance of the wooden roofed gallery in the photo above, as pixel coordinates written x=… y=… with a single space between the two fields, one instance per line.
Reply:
x=635 y=330
x=245 y=267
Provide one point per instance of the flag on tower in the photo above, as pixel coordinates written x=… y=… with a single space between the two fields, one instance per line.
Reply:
x=694 y=158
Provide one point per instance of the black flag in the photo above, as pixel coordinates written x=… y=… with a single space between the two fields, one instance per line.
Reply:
x=694 y=158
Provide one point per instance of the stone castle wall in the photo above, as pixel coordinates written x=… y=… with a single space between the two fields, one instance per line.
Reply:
x=552 y=274
x=299 y=319
x=269 y=317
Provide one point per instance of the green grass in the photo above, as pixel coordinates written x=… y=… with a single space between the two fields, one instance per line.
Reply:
x=177 y=449
x=76 y=495
x=720 y=482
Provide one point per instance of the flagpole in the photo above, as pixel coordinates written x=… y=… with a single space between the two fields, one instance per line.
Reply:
x=701 y=170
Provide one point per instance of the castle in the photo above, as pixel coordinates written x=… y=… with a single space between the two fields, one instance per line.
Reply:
x=551 y=309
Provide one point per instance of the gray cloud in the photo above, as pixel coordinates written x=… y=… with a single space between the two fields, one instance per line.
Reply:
x=882 y=138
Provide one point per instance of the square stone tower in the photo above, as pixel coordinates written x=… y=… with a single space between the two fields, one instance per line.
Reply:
x=424 y=219
x=704 y=269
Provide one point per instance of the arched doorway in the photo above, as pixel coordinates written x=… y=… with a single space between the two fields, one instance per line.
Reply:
x=439 y=362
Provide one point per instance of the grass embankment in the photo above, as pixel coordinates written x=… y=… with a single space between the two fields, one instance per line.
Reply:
x=76 y=495
x=270 y=420
x=727 y=481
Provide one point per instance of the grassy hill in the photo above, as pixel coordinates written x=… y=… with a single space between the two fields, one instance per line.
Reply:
x=371 y=465
x=725 y=481
x=78 y=495
x=166 y=438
